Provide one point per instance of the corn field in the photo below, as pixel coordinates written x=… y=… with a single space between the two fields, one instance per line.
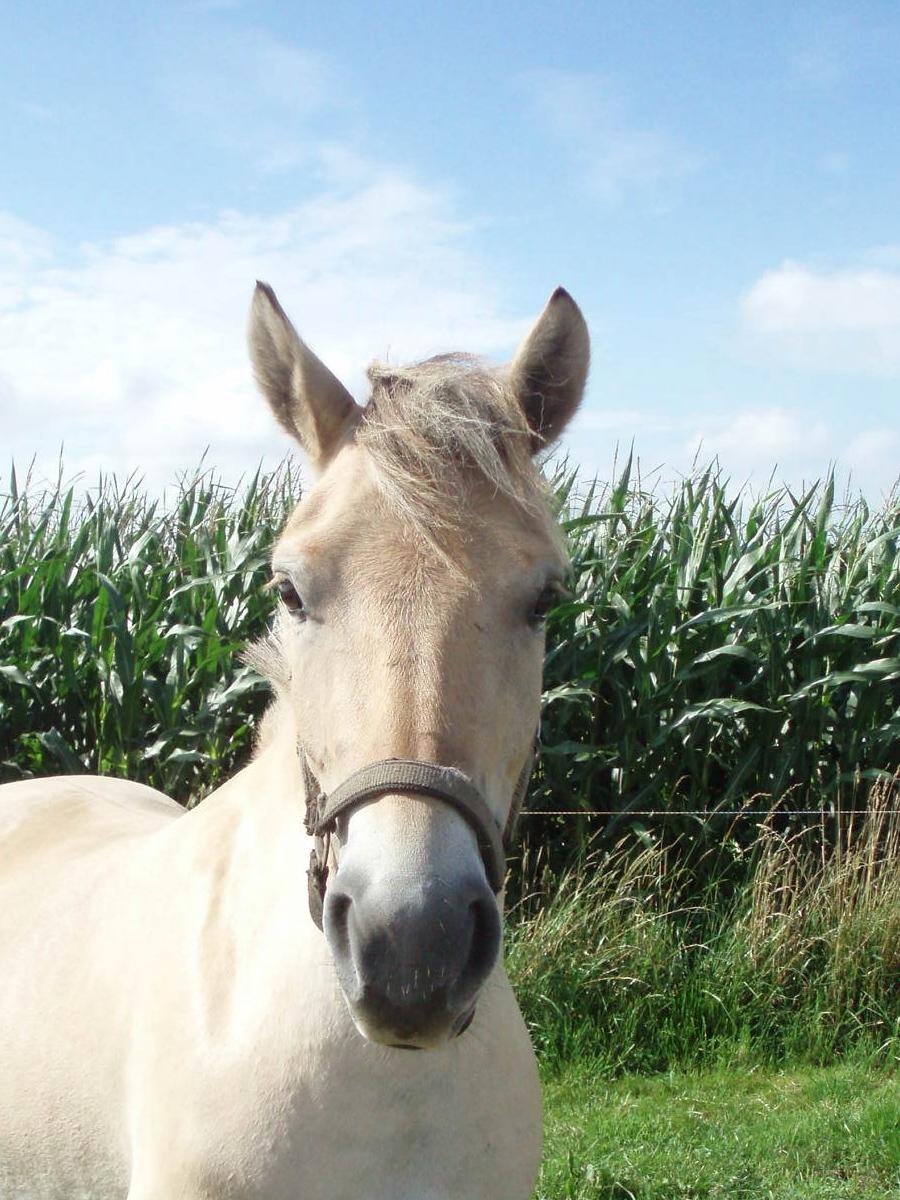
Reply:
x=717 y=651
x=121 y=626
x=717 y=654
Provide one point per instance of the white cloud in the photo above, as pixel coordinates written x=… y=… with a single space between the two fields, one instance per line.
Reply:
x=874 y=454
x=781 y=443
x=758 y=440
x=133 y=356
x=22 y=249
x=254 y=94
x=842 y=320
x=611 y=154
x=795 y=446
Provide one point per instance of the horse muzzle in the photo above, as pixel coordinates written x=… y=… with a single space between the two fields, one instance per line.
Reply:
x=411 y=955
x=411 y=951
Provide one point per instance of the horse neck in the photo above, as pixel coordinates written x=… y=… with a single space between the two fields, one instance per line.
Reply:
x=253 y=824
x=270 y=787
x=241 y=858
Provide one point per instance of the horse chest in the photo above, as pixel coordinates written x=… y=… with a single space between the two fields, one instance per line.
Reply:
x=341 y=1119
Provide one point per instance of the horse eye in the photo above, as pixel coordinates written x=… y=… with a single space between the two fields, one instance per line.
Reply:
x=548 y=598
x=290 y=597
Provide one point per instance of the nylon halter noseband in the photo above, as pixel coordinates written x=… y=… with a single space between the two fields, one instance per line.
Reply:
x=389 y=775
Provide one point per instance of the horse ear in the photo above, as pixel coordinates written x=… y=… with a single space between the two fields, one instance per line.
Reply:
x=550 y=369
x=309 y=402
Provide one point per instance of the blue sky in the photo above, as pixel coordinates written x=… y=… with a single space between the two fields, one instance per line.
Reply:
x=718 y=185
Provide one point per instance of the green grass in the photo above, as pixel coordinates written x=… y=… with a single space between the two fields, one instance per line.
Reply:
x=798 y=1134
x=624 y=962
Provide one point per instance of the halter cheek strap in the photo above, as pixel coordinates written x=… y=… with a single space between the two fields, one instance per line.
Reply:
x=389 y=775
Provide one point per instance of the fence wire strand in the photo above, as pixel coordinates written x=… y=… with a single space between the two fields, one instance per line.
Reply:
x=699 y=812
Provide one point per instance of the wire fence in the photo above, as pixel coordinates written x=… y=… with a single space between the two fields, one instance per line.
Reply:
x=700 y=812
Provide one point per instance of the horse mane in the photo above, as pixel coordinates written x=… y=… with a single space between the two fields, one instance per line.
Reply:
x=431 y=426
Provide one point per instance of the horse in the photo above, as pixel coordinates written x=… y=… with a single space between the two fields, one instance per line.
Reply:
x=186 y=1011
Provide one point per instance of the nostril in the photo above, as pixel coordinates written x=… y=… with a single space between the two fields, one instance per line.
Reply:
x=336 y=920
x=339 y=906
x=485 y=937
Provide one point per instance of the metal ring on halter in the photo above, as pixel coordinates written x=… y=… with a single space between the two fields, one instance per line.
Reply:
x=447 y=784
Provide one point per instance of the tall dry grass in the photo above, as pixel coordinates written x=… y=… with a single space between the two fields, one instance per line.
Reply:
x=634 y=960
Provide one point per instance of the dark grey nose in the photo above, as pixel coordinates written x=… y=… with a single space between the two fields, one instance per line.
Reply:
x=411 y=956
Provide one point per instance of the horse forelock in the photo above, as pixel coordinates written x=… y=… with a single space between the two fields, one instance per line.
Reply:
x=432 y=428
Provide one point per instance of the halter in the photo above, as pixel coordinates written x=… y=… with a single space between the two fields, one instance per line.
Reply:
x=389 y=775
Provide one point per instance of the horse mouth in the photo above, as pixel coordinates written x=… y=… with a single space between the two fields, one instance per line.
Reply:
x=459 y=1027
x=406 y=1038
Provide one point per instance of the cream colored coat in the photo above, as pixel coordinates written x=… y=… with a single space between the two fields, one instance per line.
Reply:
x=171 y=1026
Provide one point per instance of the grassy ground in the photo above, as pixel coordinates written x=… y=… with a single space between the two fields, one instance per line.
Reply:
x=790 y=956
x=798 y=1134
